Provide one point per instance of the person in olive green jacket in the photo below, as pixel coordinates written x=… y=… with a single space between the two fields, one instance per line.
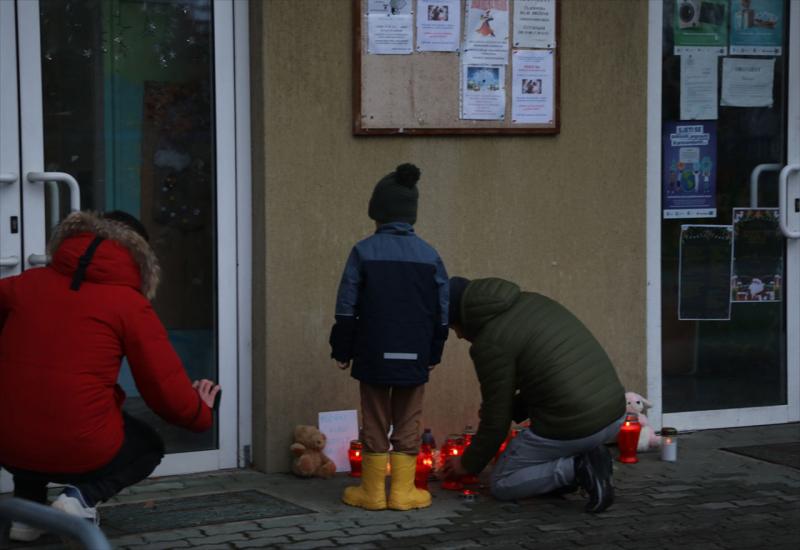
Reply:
x=534 y=359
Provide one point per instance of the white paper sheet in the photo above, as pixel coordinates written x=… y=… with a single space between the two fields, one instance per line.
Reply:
x=438 y=25
x=534 y=24
x=747 y=82
x=394 y=7
x=483 y=94
x=390 y=34
x=699 y=87
x=486 y=32
x=340 y=427
x=532 y=91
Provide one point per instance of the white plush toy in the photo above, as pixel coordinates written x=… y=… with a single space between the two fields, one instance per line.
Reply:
x=636 y=404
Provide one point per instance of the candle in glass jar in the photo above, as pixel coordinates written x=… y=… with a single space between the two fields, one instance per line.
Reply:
x=669 y=444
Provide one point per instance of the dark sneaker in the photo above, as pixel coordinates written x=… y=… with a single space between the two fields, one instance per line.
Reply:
x=593 y=472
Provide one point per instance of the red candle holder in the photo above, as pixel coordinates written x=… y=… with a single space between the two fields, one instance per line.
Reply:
x=424 y=466
x=354 y=455
x=628 y=439
x=453 y=446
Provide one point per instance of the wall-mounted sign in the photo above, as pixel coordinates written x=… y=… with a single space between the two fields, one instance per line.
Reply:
x=689 y=180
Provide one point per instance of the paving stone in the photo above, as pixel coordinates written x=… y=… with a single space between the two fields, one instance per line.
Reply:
x=309 y=545
x=370 y=530
x=319 y=535
x=172 y=535
x=359 y=539
x=328 y=525
x=226 y=528
x=266 y=542
x=276 y=532
x=416 y=532
x=217 y=539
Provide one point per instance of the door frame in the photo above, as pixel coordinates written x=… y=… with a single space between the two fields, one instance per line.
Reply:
x=233 y=208
x=725 y=418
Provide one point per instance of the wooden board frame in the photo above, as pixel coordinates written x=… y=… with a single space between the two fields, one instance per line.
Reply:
x=414 y=126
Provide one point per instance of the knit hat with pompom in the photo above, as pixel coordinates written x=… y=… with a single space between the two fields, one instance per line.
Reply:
x=395 y=196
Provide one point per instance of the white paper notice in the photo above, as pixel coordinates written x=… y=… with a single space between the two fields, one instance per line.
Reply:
x=394 y=7
x=486 y=32
x=390 y=34
x=340 y=427
x=699 y=87
x=483 y=92
x=535 y=23
x=747 y=82
x=438 y=25
x=532 y=86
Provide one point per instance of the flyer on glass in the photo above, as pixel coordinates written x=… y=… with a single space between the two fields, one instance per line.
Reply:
x=747 y=82
x=757 y=27
x=438 y=25
x=757 y=256
x=699 y=87
x=704 y=273
x=700 y=26
x=486 y=32
x=532 y=94
x=534 y=24
x=390 y=34
x=689 y=179
x=483 y=94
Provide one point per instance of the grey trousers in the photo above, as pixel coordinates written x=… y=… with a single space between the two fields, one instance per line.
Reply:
x=534 y=465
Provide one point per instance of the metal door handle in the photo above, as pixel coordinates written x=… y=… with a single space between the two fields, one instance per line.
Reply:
x=8 y=178
x=9 y=261
x=72 y=184
x=755 y=175
x=783 y=212
x=38 y=259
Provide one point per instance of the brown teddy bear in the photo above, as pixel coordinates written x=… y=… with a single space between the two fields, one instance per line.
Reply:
x=309 y=460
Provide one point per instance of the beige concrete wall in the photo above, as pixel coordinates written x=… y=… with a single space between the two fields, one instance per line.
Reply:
x=561 y=215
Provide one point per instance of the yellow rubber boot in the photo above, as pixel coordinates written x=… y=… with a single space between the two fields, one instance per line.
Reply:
x=371 y=494
x=403 y=495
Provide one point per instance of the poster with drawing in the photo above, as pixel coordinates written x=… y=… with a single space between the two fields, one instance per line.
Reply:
x=486 y=32
x=533 y=90
x=689 y=180
x=483 y=92
x=757 y=256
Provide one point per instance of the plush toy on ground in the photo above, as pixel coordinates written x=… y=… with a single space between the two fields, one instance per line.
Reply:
x=636 y=404
x=309 y=460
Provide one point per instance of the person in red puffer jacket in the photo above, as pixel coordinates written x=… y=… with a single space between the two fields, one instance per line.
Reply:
x=64 y=330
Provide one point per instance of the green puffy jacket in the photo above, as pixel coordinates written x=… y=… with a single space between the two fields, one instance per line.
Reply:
x=526 y=342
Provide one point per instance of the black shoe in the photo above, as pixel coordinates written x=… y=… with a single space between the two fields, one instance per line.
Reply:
x=593 y=472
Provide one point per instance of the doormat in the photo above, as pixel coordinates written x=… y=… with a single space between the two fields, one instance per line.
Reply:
x=182 y=512
x=784 y=454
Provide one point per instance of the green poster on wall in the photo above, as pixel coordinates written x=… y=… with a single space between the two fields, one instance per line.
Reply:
x=701 y=26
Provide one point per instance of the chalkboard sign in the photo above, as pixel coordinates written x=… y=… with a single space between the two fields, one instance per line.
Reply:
x=706 y=253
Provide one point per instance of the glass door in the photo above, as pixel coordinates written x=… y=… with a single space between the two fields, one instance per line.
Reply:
x=123 y=97
x=729 y=281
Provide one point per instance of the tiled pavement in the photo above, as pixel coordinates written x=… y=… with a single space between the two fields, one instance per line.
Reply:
x=709 y=499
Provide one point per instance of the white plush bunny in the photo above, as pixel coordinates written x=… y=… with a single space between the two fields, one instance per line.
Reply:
x=636 y=404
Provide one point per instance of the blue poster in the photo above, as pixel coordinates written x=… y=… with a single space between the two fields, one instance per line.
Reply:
x=689 y=179
x=756 y=27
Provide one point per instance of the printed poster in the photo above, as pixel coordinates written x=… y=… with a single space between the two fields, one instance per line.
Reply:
x=757 y=27
x=532 y=95
x=390 y=28
x=486 y=32
x=483 y=93
x=689 y=178
x=699 y=87
x=438 y=25
x=704 y=273
x=757 y=256
x=535 y=24
x=340 y=428
x=747 y=82
x=701 y=26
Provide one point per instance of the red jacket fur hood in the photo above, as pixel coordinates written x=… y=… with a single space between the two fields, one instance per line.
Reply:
x=61 y=350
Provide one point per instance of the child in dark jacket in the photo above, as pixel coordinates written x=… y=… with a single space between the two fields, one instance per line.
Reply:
x=391 y=324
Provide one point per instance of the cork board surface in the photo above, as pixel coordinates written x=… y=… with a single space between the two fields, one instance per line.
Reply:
x=419 y=94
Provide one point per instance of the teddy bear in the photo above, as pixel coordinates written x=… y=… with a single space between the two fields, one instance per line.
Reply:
x=309 y=460
x=636 y=404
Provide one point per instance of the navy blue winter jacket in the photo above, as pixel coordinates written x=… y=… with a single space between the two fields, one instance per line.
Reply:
x=391 y=308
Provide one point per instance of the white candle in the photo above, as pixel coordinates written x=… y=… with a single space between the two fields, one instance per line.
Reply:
x=669 y=444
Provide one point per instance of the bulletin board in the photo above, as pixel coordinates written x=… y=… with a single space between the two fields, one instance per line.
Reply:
x=429 y=92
